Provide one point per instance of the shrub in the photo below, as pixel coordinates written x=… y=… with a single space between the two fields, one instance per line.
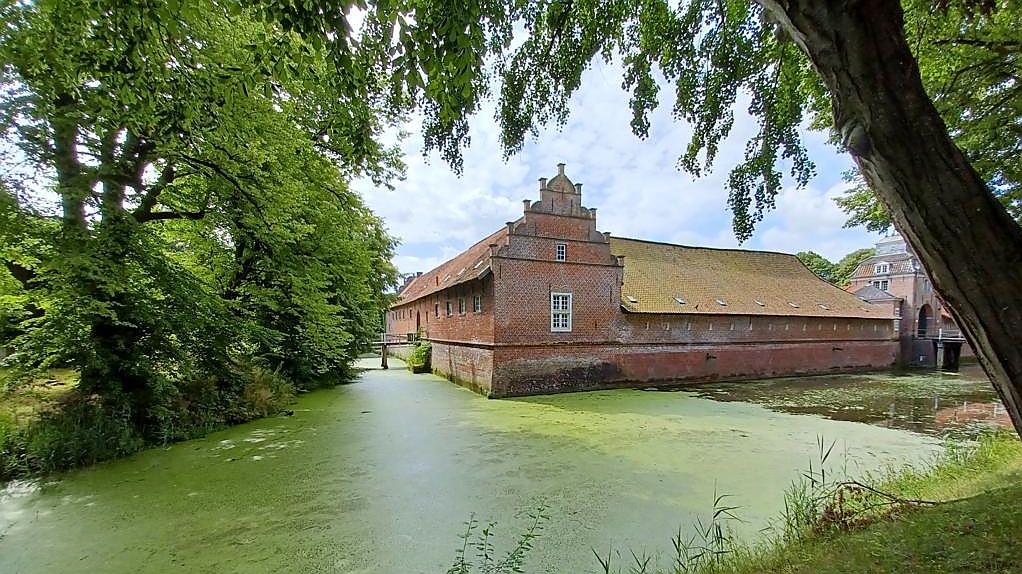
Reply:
x=419 y=361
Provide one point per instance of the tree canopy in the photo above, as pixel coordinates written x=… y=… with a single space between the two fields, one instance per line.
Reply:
x=970 y=64
x=199 y=155
x=839 y=273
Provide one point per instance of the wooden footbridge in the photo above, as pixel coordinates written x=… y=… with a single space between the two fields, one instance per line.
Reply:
x=392 y=340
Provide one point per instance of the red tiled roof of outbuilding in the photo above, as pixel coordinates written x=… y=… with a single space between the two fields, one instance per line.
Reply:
x=471 y=264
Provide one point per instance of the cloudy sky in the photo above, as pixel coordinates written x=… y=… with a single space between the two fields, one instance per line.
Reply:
x=634 y=183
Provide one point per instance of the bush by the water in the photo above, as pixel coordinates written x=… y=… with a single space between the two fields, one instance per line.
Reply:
x=80 y=429
x=421 y=357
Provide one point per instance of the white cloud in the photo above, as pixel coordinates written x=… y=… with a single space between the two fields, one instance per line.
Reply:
x=634 y=184
x=809 y=220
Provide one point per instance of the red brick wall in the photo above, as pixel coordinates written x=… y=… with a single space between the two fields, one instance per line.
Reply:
x=532 y=370
x=469 y=327
x=470 y=367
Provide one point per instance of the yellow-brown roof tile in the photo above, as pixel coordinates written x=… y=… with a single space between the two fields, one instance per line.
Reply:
x=728 y=281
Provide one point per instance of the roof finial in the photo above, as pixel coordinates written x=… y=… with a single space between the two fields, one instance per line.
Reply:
x=560 y=168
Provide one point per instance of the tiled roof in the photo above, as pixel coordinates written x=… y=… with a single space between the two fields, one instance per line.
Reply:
x=470 y=264
x=871 y=293
x=728 y=281
x=899 y=262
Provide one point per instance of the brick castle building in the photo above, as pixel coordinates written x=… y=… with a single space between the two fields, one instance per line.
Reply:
x=549 y=304
x=894 y=280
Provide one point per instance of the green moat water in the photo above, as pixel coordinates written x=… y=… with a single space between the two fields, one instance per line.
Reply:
x=380 y=475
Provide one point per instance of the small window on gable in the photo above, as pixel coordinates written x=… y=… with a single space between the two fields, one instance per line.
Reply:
x=881 y=268
x=562 y=252
x=477 y=303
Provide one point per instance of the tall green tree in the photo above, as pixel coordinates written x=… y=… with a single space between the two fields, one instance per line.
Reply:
x=198 y=152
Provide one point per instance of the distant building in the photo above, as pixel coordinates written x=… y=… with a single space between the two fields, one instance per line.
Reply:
x=549 y=304
x=894 y=279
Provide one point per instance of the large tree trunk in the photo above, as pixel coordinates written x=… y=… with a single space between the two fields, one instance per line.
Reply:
x=967 y=242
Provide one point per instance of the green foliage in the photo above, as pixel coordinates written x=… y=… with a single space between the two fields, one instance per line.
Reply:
x=709 y=52
x=55 y=431
x=969 y=61
x=844 y=268
x=81 y=433
x=817 y=264
x=838 y=273
x=420 y=359
x=198 y=152
x=487 y=559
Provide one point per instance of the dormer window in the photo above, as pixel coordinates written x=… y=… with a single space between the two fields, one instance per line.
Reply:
x=881 y=268
x=562 y=252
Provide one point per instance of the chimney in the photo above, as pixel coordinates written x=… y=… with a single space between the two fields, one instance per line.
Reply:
x=592 y=212
x=526 y=203
x=510 y=227
x=542 y=183
x=493 y=248
x=560 y=169
x=578 y=188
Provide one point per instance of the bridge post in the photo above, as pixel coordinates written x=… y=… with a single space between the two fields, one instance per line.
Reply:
x=383 y=352
x=952 y=356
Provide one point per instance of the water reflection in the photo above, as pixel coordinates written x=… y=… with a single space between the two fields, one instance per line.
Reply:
x=959 y=405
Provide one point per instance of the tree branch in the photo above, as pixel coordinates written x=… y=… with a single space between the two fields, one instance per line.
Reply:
x=1002 y=46
x=153 y=193
x=23 y=274
x=164 y=215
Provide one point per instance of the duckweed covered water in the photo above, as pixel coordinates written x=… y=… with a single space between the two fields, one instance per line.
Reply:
x=380 y=476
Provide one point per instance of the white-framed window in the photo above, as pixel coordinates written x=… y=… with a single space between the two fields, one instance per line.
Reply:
x=461 y=305
x=477 y=303
x=881 y=268
x=562 y=251
x=881 y=285
x=560 y=312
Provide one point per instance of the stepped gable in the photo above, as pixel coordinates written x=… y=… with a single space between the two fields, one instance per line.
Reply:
x=473 y=263
x=665 y=278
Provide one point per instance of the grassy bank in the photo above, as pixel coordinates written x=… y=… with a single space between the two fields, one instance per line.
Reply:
x=959 y=514
x=47 y=425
